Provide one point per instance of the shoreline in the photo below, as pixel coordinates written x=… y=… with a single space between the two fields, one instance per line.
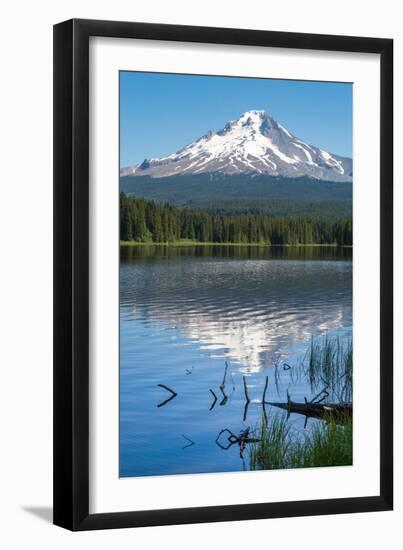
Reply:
x=261 y=245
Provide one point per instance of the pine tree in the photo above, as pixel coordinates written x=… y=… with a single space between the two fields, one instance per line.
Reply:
x=146 y=221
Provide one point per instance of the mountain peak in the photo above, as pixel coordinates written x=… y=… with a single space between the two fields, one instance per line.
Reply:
x=253 y=115
x=251 y=118
x=254 y=143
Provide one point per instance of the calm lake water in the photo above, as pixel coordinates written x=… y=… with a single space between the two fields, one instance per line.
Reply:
x=187 y=311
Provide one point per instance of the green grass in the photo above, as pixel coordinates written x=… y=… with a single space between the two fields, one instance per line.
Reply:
x=272 y=451
x=324 y=444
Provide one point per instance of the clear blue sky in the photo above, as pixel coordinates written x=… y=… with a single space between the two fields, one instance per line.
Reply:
x=160 y=113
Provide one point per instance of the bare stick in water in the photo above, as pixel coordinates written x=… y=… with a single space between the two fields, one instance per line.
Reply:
x=215 y=400
x=247 y=400
x=245 y=411
x=174 y=394
x=168 y=389
x=222 y=387
x=245 y=387
x=265 y=389
x=225 y=374
x=190 y=442
x=225 y=396
x=264 y=399
x=324 y=393
x=288 y=405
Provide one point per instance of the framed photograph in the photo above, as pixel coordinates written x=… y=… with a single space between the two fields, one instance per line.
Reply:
x=223 y=323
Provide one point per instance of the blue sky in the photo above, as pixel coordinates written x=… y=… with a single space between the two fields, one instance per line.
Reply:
x=160 y=113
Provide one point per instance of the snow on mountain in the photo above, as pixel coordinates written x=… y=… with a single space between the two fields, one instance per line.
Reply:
x=255 y=143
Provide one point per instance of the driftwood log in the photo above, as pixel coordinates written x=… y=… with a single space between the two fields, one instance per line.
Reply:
x=336 y=411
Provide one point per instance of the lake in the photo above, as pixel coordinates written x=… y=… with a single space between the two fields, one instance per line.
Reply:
x=188 y=311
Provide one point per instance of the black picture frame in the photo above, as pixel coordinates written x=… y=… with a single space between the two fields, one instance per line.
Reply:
x=71 y=274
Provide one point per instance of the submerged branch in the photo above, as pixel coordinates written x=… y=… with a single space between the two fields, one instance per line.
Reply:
x=265 y=389
x=316 y=399
x=215 y=400
x=245 y=387
x=264 y=399
x=174 y=394
x=225 y=396
x=222 y=387
x=190 y=442
x=242 y=440
x=245 y=411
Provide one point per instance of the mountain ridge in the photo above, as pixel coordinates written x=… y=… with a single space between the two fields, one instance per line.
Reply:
x=253 y=144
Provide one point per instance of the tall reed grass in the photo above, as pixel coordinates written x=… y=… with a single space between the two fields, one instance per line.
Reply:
x=328 y=368
x=325 y=444
x=329 y=364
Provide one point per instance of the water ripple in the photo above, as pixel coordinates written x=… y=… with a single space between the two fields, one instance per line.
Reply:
x=253 y=310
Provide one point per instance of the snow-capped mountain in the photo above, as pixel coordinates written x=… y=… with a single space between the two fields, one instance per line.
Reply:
x=255 y=143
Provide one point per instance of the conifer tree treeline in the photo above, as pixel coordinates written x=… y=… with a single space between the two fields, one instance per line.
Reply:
x=146 y=221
